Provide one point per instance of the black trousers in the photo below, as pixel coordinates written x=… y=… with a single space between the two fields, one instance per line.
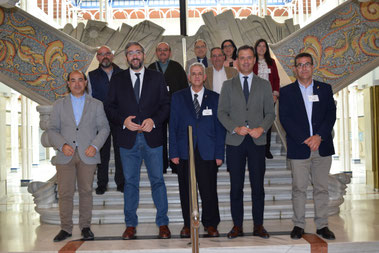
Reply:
x=166 y=161
x=103 y=167
x=268 y=139
x=206 y=176
x=236 y=161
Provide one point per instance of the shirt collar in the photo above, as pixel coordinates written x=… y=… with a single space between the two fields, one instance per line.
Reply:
x=78 y=98
x=303 y=86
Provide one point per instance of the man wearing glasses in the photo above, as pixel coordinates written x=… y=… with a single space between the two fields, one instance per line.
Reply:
x=138 y=104
x=307 y=113
x=200 y=49
x=176 y=80
x=98 y=83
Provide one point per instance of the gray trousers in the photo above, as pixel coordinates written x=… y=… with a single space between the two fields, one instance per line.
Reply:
x=316 y=169
x=68 y=174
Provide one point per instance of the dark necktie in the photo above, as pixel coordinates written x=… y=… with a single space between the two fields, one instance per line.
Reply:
x=246 y=88
x=137 y=87
x=196 y=105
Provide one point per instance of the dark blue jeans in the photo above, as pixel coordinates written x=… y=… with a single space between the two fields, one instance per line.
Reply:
x=131 y=162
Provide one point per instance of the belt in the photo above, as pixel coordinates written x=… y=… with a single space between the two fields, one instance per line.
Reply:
x=140 y=131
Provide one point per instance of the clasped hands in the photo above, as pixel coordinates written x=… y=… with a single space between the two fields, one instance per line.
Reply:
x=253 y=132
x=69 y=151
x=146 y=126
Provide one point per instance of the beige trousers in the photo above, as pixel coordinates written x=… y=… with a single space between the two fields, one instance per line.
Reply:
x=315 y=169
x=68 y=174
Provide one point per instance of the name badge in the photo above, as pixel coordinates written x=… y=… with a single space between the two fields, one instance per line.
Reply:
x=168 y=88
x=207 y=112
x=313 y=98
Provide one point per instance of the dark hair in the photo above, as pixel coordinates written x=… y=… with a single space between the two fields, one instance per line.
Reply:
x=214 y=48
x=134 y=43
x=267 y=55
x=84 y=76
x=245 y=47
x=301 y=55
x=234 y=56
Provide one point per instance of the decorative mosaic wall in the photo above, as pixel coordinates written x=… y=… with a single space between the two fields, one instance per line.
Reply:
x=37 y=56
x=344 y=44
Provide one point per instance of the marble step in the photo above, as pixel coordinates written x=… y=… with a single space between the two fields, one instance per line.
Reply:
x=280 y=209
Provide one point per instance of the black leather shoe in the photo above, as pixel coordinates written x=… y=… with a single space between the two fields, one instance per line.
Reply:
x=269 y=155
x=297 y=233
x=235 y=232
x=326 y=233
x=101 y=190
x=62 y=235
x=87 y=234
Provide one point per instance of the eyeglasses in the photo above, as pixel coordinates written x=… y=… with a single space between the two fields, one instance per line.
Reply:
x=306 y=65
x=199 y=47
x=163 y=50
x=217 y=55
x=104 y=54
x=228 y=46
x=136 y=52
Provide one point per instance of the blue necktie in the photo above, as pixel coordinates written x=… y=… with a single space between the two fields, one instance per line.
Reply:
x=196 y=105
x=137 y=87
x=246 y=88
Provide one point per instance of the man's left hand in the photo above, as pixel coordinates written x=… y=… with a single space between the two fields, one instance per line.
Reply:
x=313 y=142
x=147 y=125
x=90 y=151
x=218 y=162
x=256 y=132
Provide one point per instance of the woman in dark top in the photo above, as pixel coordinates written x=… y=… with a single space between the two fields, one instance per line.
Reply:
x=230 y=51
x=265 y=67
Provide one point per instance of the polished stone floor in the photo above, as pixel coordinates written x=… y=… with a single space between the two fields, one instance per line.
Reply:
x=356 y=228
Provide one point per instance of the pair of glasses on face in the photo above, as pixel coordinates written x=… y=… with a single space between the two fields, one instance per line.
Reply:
x=199 y=47
x=104 y=54
x=228 y=46
x=135 y=52
x=162 y=50
x=306 y=65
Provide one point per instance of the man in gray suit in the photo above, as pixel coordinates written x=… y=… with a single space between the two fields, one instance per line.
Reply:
x=200 y=49
x=246 y=110
x=78 y=128
x=218 y=74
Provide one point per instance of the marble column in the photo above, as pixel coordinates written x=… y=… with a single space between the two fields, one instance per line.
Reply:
x=346 y=137
x=26 y=157
x=337 y=126
x=50 y=10
x=101 y=11
x=35 y=133
x=14 y=107
x=63 y=13
x=354 y=123
x=3 y=153
x=301 y=13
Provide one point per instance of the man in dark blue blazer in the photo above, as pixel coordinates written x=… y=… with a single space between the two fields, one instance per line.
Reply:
x=308 y=113
x=197 y=107
x=138 y=104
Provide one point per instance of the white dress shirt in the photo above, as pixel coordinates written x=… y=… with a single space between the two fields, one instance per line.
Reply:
x=218 y=79
x=134 y=78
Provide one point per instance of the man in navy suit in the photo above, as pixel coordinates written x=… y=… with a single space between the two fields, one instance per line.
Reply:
x=307 y=113
x=138 y=104
x=197 y=107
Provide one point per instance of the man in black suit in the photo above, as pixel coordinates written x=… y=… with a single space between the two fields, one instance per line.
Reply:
x=98 y=82
x=176 y=80
x=308 y=113
x=138 y=104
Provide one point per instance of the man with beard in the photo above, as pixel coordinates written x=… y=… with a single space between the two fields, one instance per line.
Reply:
x=98 y=80
x=176 y=80
x=138 y=104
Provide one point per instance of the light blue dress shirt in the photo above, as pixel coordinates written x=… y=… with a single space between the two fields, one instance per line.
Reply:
x=77 y=107
x=306 y=92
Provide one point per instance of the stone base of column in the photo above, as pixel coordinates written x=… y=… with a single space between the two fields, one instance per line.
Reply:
x=25 y=182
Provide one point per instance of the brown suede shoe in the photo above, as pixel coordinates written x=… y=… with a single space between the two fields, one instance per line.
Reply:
x=212 y=231
x=129 y=233
x=185 y=232
x=235 y=232
x=260 y=231
x=164 y=232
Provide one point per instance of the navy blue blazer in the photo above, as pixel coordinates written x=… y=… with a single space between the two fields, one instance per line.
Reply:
x=293 y=117
x=154 y=103
x=208 y=133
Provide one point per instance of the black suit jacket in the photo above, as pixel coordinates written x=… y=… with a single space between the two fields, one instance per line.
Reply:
x=293 y=116
x=154 y=103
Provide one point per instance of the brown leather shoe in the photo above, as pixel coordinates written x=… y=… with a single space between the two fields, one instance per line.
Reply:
x=129 y=233
x=260 y=231
x=212 y=231
x=236 y=231
x=185 y=232
x=164 y=232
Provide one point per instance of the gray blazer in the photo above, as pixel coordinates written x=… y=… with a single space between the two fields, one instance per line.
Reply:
x=93 y=129
x=234 y=112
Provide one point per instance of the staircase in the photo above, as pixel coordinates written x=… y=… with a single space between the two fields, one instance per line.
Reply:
x=108 y=208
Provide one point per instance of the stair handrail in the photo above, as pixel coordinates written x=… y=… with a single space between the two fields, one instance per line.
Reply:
x=194 y=207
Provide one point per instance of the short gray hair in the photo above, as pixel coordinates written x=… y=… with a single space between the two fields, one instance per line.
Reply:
x=199 y=64
x=133 y=43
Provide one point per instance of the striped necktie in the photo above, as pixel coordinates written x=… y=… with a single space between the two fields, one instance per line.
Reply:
x=196 y=105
